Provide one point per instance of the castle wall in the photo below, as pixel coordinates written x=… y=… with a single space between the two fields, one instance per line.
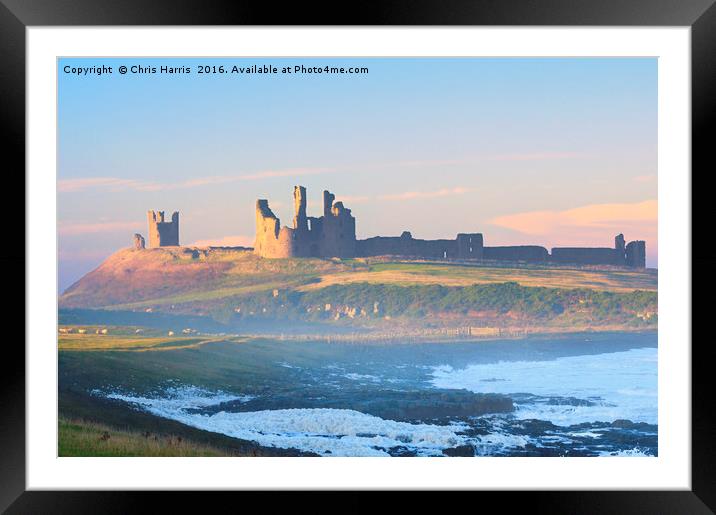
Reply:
x=406 y=245
x=636 y=254
x=162 y=233
x=334 y=235
x=470 y=246
x=465 y=246
x=533 y=253
x=618 y=256
x=435 y=249
x=382 y=245
x=588 y=256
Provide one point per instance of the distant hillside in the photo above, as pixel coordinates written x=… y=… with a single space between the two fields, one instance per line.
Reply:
x=162 y=274
x=232 y=285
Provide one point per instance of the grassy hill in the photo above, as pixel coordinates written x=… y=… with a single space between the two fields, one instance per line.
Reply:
x=83 y=438
x=175 y=274
x=234 y=285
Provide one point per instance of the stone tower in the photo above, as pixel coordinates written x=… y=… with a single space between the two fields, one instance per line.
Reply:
x=162 y=233
x=619 y=242
x=636 y=254
x=300 y=220
x=338 y=229
x=271 y=239
x=138 y=241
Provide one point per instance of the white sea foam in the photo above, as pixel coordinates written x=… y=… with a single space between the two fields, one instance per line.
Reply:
x=622 y=385
x=362 y=377
x=496 y=442
x=585 y=434
x=636 y=452
x=332 y=432
x=181 y=398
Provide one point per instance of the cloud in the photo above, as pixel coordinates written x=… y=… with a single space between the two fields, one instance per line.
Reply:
x=533 y=156
x=102 y=183
x=538 y=156
x=292 y=172
x=114 y=184
x=410 y=195
x=225 y=241
x=72 y=229
x=587 y=224
x=429 y=162
x=350 y=200
x=645 y=178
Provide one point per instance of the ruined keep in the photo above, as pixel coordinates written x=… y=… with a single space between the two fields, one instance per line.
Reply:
x=162 y=233
x=334 y=235
x=330 y=235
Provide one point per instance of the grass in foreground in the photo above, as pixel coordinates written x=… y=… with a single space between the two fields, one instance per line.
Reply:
x=82 y=438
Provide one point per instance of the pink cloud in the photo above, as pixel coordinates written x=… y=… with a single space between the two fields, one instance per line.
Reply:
x=410 y=195
x=594 y=224
x=72 y=229
x=116 y=184
x=103 y=183
x=533 y=156
x=645 y=178
x=292 y=172
x=225 y=241
x=350 y=200
x=430 y=162
x=537 y=156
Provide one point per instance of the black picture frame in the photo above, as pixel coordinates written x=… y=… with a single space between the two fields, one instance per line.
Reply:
x=700 y=15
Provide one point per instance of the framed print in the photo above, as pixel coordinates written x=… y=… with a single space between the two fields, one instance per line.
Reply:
x=416 y=253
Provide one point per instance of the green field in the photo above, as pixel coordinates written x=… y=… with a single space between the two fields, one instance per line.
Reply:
x=134 y=343
x=246 y=293
x=412 y=273
x=83 y=438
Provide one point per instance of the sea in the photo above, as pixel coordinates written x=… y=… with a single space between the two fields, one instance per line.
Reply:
x=574 y=395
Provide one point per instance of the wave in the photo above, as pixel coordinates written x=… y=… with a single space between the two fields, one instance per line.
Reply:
x=612 y=386
x=325 y=431
x=636 y=452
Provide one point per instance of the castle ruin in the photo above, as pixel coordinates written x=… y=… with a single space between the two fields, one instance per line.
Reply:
x=334 y=235
x=330 y=235
x=161 y=232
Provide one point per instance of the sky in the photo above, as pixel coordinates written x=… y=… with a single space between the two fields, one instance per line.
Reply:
x=544 y=151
